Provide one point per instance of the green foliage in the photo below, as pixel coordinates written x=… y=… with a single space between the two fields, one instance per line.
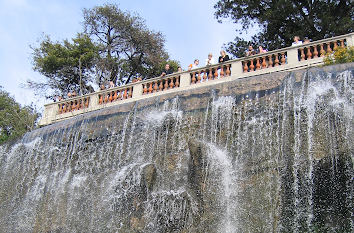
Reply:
x=14 y=119
x=340 y=55
x=66 y=66
x=128 y=48
x=173 y=65
x=279 y=21
x=116 y=46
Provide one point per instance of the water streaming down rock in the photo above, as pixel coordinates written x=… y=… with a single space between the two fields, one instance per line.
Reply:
x=266 y=154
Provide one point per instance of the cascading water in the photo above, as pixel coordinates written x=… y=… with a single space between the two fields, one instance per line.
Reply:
x=275 y=159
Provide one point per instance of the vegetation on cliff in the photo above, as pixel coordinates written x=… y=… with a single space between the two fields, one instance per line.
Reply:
x=14 y=119
x=114 y=46
x=340 y=55
x=279 y=21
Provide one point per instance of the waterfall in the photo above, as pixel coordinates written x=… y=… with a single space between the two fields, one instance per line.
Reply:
x=277 y=159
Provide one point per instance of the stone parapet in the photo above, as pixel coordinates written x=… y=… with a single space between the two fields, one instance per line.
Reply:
x=285 y=59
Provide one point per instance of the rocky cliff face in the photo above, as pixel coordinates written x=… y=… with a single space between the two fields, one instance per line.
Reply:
x=272 y=153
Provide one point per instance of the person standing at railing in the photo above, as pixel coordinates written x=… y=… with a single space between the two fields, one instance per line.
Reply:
x=261 y=49
x=166 y=71
x=102 y=87
x=306 y=40
x=223 y=56
x=297 y=41
x=111 y=84
x=250 y=51
x=210 y=60
x=195 y=65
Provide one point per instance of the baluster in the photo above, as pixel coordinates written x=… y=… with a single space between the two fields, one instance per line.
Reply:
x=264 y=63
x=78 y=104
x=73 y=105
x=87 y=102
x=100 y=100
x=110 y=97
x=161 y=85
x=150 y=87
x=342 y=43
x=120 y=94
x=282 y=60
x=177 y=81
x=335 y=46
x=126 y=94
x=329 y=50
x=106 y=98
x=171 y=83
x=199 y=76
x=204 y=75
x=166 y=84
x=245 y=67
x=276 y=61
x=115 y=95
x=270 y=60
x=251 y=66
x=322 y=52
x=228 y=71
x=315 y=52
x=258 y=65
x=210 y=75
x=302 y=54
x=60 y=110
x=130 y=92
x=145 y=89
x=65 y=107
x=193 y=77
x=155 y=86
x=221 y=71
x=309 y=54
x=216 y=72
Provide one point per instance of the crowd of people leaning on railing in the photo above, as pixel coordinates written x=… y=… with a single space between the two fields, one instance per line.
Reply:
x=209 y=61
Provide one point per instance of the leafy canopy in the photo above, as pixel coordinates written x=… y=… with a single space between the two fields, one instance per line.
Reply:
x=280 y=20
x=66 y=66
x=115 y=46
x=128 y=48
x=14 y=119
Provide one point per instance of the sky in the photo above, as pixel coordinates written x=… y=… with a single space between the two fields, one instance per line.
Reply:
x=189 y=26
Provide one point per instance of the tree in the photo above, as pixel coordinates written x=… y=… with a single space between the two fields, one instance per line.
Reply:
x=66 y=66
x=280 y=20
x=128 y=48
x=14 y=119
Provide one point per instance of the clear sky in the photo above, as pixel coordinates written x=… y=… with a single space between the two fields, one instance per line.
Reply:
x=189 y=26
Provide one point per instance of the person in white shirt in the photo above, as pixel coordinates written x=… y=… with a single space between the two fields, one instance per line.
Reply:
x=194 y=65
x=210 y=60
x=297 y=41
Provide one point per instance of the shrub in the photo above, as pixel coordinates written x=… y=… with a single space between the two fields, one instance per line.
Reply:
x=340 y=55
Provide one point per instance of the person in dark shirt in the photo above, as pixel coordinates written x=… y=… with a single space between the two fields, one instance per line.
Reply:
x=166 y=71
x=224 y=57
x=250 y=51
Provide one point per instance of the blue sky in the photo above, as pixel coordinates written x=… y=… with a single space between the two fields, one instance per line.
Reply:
x=189 y=26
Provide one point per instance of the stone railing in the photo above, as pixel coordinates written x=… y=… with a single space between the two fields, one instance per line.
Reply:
x=285 y=59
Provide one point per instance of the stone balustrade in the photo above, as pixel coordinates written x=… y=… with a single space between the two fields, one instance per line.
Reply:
x=73 y=104
x=210 y=73
x=320 y=48
x=115 y=94
x=285 y=59
x=264 y=61
x=161 y=84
